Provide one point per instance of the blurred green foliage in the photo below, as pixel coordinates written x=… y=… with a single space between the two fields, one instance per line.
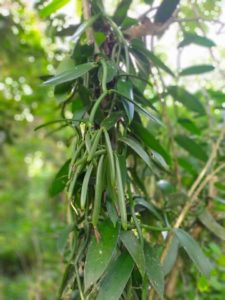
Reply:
x=30 y=264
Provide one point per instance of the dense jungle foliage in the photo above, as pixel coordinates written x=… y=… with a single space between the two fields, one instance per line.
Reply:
x=112 y=134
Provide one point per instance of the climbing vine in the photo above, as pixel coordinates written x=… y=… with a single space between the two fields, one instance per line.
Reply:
x=123 y=234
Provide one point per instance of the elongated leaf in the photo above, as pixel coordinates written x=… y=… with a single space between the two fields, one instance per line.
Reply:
x=121 y=11
x=125 y=88
x=52 y=7
x=195 y=70
x=100 y=253
x=150 y=141
x=194 y=251
x=158 y=62
x=189 y=125
x=67 y=276
x=138 y=149
x=134 y=248
x=149 y=206
x=81 y=29
x=140 y=47
x=166 y=10
x=192 y=147
x=71 y=74
x=207 y=219
x=116 y=278
x=171 y=256
x=154 y=269
x=111 y=71
x=140 y=109
x=190 y=101
x=193 y=38
x=187 y=166
x=110 y=121
x=220 y=186
x=63 y=237
x=60 y=180
x=159 y=161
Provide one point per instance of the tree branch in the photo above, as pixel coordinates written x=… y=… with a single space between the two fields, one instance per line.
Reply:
x=87 y=15
x=194 y=192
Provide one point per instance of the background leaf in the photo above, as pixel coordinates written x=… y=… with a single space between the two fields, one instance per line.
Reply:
x=149 y=140
x=166 y=10
x=171 y=256
x=121 y=11
x=194 y=251
x=195 y=70
x=52 y=7
x=193 y=38
x=190 y=101
x=192 y=147
x=207 y=219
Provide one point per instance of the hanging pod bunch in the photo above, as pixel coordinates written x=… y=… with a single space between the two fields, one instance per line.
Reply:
x=116 y=210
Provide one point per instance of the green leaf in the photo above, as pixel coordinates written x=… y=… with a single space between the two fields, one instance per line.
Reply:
x=220 y=186
x=139 y=46
x=193 y=38
x=138 y=149
x=100 y=37
x=100 y=253
x=190 y=101
x=67 y=276
x=135 y=249
x=116 y=278
x=81 y=29
x=128 y=22
x=159 y=160
x=111 y=71
x=52 y=7
x=158 y=62
x=62 y=91
x=154 y=269
x=125 y=88
x=171 y=256
x=110 y=121
x=60 y=180
x=187 y=166
x=166 y=10
x=121 y=11
x=71 y=74
x=78 y=109
x=194 y=251
x=140 y=109
x=150 y=141
x=191 y=147
x=189 y=125
x=195 y=70
x=63 y=237
x=142 y=202
x=207 y=219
